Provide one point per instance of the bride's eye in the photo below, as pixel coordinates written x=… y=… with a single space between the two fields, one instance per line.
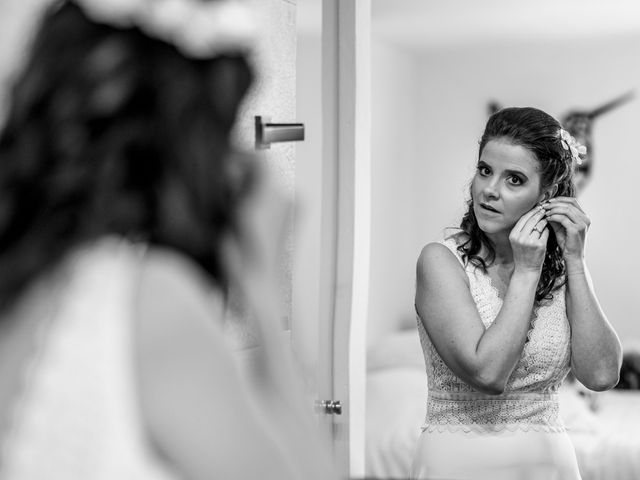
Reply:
x=515 y=180
x=483 y=170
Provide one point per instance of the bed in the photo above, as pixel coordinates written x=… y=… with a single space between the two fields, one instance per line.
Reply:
x=604 y=427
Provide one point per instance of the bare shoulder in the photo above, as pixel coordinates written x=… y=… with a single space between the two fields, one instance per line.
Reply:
x=437 y=259
x=177 y=310
x=191 y=396
x=164 y=266
x=433 y=251
x=170 y=281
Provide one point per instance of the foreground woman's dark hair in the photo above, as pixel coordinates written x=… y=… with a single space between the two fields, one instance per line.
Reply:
x=111 y=131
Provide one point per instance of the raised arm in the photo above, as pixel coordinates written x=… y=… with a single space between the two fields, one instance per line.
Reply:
x=596 y=353
x=484 y=358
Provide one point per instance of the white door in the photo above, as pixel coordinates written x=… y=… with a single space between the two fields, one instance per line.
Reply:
x=346 y=121
x=333 y=183
x=280 y=73
x=333 y=168
x=322 y=67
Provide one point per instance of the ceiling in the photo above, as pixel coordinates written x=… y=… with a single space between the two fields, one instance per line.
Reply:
x=434 y=23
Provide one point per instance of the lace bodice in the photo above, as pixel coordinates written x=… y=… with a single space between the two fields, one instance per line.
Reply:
x=530 y=397
x=77 y=416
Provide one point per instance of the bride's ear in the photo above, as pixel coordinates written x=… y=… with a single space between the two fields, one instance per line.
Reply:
x=549 y=193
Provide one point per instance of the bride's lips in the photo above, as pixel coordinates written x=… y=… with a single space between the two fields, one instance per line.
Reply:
x=488 y=208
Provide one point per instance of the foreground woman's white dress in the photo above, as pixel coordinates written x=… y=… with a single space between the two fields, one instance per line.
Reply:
x=515 y=435
x=77 y=415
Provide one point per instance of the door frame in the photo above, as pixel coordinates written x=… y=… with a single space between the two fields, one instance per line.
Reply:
x=346 y=218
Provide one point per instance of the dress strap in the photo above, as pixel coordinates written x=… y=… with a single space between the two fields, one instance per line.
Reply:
x=450 y=243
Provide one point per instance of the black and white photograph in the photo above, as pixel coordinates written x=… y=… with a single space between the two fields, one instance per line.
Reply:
x=319 y=240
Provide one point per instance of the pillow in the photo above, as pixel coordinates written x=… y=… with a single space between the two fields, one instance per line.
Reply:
x=398 y=349
x=575 y=410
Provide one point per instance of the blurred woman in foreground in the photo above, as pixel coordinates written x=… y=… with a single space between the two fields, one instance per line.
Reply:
x=126 y=215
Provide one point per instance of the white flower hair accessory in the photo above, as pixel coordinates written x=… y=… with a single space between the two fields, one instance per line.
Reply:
x=570 y=143
x=197 y=28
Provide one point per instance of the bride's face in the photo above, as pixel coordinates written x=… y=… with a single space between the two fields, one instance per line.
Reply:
x=506 y=185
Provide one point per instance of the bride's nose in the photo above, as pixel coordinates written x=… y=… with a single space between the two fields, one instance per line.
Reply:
x=490 y=190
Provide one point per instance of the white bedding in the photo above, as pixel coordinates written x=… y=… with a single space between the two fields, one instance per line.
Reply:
x=607 y=440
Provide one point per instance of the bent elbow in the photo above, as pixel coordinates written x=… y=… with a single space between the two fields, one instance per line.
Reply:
x=491 y=386
x=492 y=389
x=601 y=383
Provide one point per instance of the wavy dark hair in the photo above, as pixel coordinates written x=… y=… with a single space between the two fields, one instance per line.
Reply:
x=539 y=133
x=113 y=132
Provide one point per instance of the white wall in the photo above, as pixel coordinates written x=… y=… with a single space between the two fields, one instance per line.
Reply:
x=308 y=213
x=420 y=176
x=395 y=152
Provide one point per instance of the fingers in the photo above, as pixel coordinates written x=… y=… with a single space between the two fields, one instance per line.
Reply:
x=529 y=220
x=562 y=220
x=540 y=228
x=568 y=210
x=559 y=210
x=528 y=239
x=566 y=201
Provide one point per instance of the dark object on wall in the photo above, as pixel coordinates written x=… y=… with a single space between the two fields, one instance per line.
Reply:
x=493 y=107
x=630 y=371
x=580 y=123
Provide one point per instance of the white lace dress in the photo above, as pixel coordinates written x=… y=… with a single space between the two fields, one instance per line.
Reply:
x=77 y=415
x=516 y=435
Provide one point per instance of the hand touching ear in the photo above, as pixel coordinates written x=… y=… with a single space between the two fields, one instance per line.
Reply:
x=570 y=224
x=528 y=240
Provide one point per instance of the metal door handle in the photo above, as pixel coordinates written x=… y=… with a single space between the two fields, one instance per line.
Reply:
x=332 y=407
x=268 y=133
